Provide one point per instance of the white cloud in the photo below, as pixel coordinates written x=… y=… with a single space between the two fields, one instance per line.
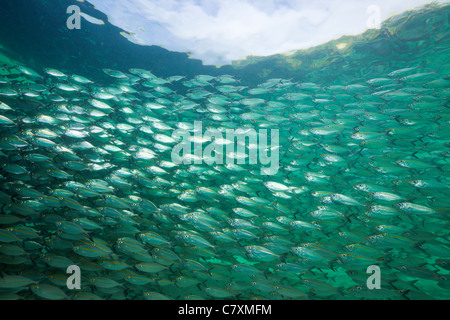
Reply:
x=219 y=31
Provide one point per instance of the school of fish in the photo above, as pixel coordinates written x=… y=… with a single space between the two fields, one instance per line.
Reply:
x=87 y=179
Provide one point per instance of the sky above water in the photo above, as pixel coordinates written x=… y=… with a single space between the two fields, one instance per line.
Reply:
x=220 y=31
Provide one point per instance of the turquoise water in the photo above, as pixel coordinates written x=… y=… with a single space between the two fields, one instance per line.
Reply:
x=361 y=168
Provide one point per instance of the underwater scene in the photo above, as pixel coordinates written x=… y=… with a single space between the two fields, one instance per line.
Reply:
x=135 y=172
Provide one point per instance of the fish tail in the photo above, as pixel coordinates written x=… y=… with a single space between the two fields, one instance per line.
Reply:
x=340 y=291
x=418 y=246
x=414 y=282
x=404 y=293
x=33 y=259
x=29 y=291
x=440 y=169
x=114 y=247
x=201 y=283
x=351 y=214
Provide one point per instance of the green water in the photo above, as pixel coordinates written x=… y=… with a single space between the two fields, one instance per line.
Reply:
x=88 y=177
